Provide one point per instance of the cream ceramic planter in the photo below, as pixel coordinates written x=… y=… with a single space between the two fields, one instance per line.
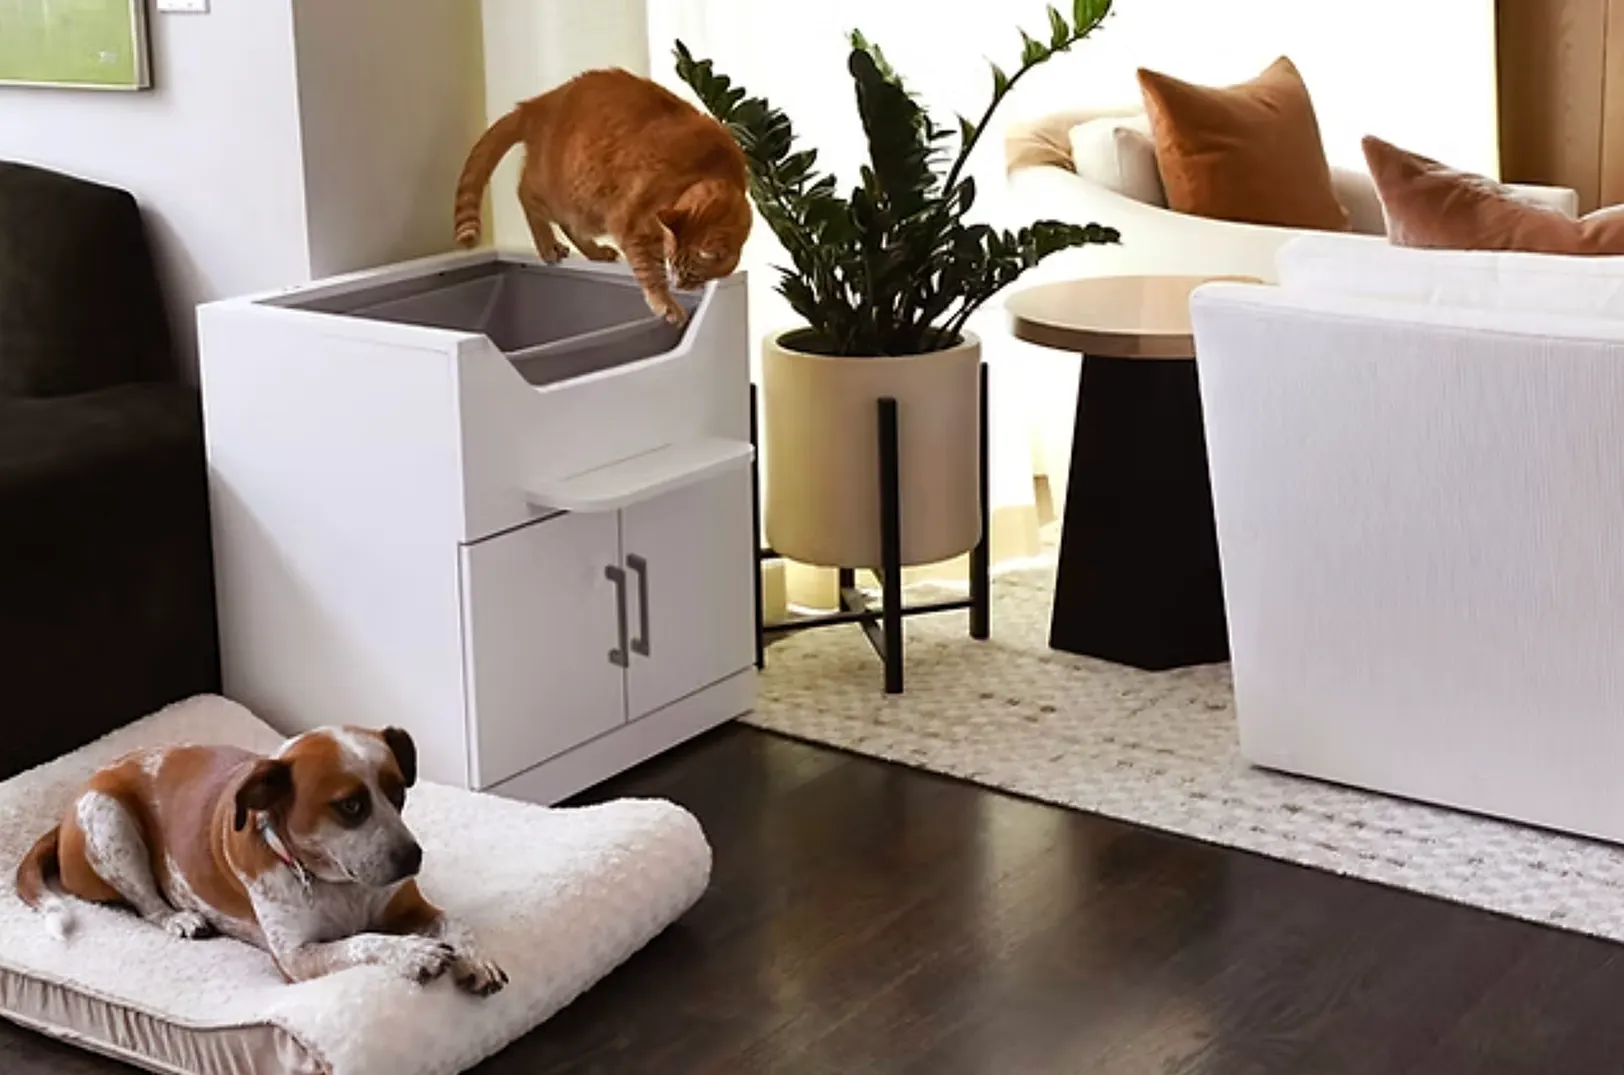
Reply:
x=821 y=453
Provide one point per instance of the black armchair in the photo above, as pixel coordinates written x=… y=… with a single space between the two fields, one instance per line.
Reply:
x=106 y=580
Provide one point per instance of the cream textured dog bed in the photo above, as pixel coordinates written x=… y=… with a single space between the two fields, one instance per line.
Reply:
x=558 y=897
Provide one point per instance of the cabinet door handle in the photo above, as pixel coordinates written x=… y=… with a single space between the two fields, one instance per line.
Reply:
x=618 y=655
x=640 y=644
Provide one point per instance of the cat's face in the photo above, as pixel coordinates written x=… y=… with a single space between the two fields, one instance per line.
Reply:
x=705 y=233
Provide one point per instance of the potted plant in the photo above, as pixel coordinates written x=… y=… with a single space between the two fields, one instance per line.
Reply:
x=886 y=280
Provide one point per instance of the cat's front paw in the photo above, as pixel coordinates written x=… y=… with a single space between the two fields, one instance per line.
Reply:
x=671 y=310
x=554 y=253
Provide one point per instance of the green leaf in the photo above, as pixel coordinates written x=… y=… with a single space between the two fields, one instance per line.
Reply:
x=1059 y=32
x=1000 y=81
x=897 y=145
x=967 y=131
x=1087 y=14
x=1032 y=51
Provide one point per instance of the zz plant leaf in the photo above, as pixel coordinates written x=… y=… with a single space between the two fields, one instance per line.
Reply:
x=892 y=268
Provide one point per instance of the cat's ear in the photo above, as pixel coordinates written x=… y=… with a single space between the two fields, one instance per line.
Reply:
x=672 y=220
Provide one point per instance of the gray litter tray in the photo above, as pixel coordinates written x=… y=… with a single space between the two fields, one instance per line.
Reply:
x=554 y=323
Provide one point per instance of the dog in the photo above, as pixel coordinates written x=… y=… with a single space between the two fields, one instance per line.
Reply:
x=303 y=854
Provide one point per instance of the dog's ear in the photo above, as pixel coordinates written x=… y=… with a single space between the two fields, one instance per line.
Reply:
x=405 y=751
x=270 y=782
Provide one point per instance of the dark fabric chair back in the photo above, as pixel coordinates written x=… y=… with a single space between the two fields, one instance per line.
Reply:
x=80 y=303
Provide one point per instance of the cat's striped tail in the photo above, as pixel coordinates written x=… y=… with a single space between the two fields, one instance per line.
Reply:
x=492 y=146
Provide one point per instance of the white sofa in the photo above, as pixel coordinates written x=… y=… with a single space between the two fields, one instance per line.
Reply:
x=1047 y=180
x=1418 y=475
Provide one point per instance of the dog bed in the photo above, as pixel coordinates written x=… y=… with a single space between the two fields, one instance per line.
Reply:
x=557 y=896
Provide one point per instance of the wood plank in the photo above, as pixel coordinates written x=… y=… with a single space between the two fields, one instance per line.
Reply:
x=1612 y=113
x=1551 y=62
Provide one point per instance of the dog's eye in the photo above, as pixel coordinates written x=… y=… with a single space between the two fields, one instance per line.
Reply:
x=352 y=808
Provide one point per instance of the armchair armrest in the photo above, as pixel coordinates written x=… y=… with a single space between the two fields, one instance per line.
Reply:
x=47 y=443
x=104 y=562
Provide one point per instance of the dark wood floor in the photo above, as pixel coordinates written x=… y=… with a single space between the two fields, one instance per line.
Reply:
x=868 y=918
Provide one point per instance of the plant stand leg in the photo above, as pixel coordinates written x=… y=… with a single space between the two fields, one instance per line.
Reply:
x=981 y=555
x=755 y=524
x=891 y=546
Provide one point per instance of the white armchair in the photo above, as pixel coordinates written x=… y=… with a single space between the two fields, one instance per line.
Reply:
x=1417 y=468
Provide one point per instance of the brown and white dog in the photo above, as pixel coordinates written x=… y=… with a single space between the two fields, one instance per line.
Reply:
x=303 y=854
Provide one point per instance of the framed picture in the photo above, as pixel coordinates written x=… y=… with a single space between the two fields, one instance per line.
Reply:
x=78 y=44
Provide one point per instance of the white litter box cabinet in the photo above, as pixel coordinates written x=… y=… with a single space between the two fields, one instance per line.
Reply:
x=493 y=502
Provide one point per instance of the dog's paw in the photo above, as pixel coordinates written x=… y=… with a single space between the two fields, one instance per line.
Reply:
x=422 y=959
x=478 y=976
x=187 y=925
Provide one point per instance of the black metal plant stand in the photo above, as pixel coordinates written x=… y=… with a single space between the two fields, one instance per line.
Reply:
x=883 y=624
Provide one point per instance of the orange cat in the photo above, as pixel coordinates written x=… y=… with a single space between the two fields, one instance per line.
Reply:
x=612 y=154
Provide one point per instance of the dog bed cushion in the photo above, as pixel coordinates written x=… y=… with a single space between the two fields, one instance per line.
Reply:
x=557 y=896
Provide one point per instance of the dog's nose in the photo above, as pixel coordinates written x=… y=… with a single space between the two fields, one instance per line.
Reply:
x=410 y=860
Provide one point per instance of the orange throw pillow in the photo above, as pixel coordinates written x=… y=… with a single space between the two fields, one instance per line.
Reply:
x=1432 y=205
x=1249 y=153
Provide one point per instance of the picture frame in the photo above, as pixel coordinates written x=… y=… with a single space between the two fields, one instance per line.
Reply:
x=76 y=44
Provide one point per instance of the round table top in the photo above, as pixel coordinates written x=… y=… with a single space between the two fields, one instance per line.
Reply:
x=1111 y=316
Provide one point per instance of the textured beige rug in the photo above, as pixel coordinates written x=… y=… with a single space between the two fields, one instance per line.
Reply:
x=1158 y=749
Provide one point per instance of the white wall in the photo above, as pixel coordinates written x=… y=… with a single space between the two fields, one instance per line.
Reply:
x=283 y=139
x=212 y=152
x=532 y=46
x=391 y=97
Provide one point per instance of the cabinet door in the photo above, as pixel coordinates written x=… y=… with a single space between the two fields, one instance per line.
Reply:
x=689 y=557
x=540 y=619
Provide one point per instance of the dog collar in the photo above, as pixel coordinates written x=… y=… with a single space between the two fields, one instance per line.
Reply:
x=267 y=832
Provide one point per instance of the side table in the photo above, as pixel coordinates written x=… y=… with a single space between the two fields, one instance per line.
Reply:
x=1138 y=580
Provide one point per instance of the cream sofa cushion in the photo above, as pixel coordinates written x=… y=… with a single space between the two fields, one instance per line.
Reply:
x=1118 y=153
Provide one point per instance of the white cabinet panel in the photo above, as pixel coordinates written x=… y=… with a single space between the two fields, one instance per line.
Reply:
x=689 y=559
x=541 y=619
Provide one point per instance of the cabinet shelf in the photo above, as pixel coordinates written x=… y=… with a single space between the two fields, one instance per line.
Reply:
x=628 y=481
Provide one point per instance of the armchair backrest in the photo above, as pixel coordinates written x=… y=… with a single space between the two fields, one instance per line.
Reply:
x=80 y=303
x=1506 y=281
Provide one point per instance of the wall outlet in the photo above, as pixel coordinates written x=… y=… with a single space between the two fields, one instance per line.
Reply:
x=186 y=7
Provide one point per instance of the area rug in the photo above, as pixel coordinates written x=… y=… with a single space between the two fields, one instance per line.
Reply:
x=1160 y=750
